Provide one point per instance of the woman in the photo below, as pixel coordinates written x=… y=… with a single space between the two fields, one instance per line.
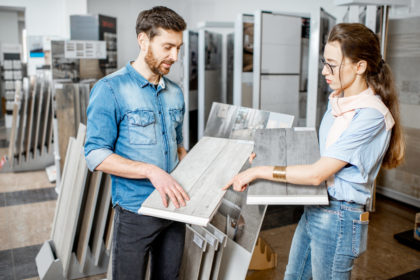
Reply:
x=360 y=131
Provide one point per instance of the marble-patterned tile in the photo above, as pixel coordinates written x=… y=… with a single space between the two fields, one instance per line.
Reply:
x=27 y=224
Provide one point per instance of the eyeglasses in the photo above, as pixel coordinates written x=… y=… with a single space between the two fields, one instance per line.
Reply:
x=330 y=67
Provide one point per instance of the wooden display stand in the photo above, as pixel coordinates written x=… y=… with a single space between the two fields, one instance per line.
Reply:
x=263 y=257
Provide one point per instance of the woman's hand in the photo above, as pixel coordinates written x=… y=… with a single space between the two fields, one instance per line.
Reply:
x=251 y=157
x=240 y=181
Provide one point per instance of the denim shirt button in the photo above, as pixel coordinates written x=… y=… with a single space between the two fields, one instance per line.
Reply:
x=163 y=132
x=166 y=152
x=160 y=112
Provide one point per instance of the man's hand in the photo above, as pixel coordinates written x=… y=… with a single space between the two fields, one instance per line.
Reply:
x=240 y=181
x=167 y=186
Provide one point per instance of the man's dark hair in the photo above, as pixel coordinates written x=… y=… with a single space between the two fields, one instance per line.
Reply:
x=148 y=21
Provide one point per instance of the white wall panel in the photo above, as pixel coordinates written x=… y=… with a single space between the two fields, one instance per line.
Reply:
x=280 y=94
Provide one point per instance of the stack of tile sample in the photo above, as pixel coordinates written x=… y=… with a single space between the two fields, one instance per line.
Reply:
x=82 y=227
x=240 y=222
x=31 y=138
x=284 y=147
x=71 y=101
x=222 y=249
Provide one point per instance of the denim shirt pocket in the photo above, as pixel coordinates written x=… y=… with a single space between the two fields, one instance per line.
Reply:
x=176 y=119
x=141 y=127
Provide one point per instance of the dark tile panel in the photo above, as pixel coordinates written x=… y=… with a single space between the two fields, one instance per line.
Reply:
x=2 y=200
x=6 y=265
x=19 y=263
x=29 y=196
x=24 y=261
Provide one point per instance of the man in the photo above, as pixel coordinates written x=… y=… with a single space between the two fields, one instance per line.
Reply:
x=134 y=132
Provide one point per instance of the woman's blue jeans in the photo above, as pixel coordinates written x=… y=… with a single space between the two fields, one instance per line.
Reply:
x=326 y=242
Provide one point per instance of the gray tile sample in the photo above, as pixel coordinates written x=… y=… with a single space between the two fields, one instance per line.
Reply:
x=286 y=147
x=213 y=245
x=195 y=246
x=202 y=173
x=65 y=111
x=13 y=132
x=100 y=219
x=222 y=238
x=76 y=104
x=37 y=123
x=87 y=214
x=22 y=120
x=29 y=118
x=46 y=118
x=51 y=119
x=229 y=121
x=70 y=200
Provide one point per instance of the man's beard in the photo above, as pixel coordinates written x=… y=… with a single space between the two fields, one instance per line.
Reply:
x=156 y=66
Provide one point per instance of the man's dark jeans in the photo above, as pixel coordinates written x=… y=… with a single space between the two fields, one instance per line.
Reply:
x=137 y=235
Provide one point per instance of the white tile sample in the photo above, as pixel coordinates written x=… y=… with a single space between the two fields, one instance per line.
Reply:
x=202 y=173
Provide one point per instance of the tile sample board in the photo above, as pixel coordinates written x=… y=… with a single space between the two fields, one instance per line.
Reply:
x=239 y=222
x=195 y=246
x=47 y=119
x=70 y=200
x=210 y=87
x=66 y=120
x=209 y=256
x=235 y=122
x=202 y=173
x=285 y=147
x=243 y=60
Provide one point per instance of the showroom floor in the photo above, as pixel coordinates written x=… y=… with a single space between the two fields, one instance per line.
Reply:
x=27 y=205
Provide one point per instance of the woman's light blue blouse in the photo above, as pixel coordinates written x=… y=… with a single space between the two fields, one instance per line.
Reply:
x=363 y=145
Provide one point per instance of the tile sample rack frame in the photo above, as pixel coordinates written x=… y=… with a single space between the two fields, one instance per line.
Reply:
x=27 y=146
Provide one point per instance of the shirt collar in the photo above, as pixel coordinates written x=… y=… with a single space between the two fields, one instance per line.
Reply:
x=142 y=80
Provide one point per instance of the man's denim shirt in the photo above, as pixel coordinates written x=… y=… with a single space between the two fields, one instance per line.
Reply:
x=128 y=116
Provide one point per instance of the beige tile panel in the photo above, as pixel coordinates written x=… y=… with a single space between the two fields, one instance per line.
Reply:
x=26 y=225
x=11 y=182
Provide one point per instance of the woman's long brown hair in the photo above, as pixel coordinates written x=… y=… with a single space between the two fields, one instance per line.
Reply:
x=359 y=43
